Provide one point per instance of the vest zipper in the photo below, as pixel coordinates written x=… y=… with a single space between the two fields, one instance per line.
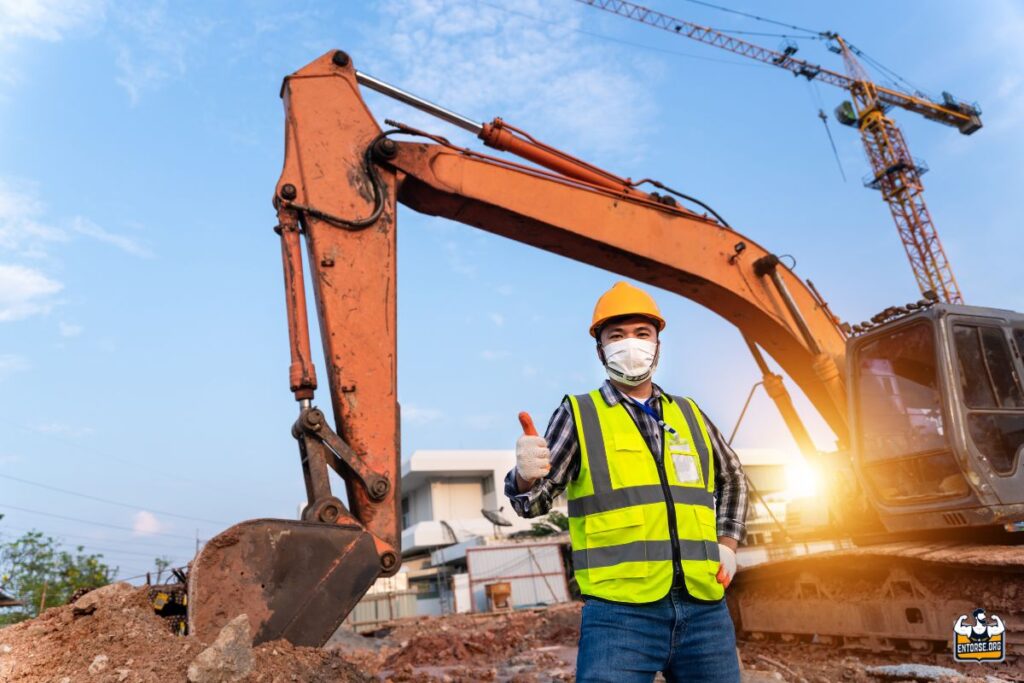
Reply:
x=673 y=532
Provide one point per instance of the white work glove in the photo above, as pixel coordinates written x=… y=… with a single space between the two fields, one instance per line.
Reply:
x=727 y=568
x=533 y=459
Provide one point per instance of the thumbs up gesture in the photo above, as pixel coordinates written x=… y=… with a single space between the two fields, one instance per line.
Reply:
x=533 y=459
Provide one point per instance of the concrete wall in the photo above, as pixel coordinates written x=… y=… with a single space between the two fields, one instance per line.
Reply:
x=456 y=497
x=420 y=505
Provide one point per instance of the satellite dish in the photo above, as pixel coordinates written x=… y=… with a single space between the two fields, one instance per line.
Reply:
x=495 y=518
x=449 y=532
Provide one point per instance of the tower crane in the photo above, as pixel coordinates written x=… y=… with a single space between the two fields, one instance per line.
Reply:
x=894 y=171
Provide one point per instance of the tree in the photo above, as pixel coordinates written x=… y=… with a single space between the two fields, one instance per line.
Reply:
x=162 y=564
x=35 y=565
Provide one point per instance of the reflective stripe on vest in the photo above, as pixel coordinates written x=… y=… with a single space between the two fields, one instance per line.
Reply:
x=618 y=513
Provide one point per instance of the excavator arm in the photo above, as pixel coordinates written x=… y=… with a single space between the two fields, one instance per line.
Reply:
x=341 y=180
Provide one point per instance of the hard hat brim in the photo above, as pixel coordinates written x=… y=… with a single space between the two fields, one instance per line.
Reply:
x=659 y=323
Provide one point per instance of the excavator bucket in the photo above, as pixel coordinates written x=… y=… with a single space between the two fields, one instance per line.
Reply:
x=294 y=580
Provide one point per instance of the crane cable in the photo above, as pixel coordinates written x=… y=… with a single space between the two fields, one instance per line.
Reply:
x=738 y=32
x=816 y=97
x=891 y=75
x=828 y=131
x=754 y=16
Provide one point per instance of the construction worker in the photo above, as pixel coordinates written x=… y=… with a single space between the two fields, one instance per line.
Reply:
x=657 y=504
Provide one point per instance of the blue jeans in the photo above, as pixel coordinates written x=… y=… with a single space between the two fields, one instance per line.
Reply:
x=686 y=640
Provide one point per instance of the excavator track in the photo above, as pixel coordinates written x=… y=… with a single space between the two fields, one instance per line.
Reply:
x=896 y=596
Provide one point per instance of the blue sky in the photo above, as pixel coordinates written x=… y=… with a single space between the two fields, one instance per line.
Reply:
x=143 y=355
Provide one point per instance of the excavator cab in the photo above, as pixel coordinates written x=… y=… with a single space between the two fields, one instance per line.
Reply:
x=937 y=417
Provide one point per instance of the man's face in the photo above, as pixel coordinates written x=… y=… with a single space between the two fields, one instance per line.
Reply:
x=636 y=327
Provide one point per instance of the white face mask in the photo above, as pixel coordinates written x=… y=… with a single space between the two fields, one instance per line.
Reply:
x=630 y=361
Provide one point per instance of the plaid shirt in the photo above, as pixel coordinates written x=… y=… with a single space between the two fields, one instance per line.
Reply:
x=563 y=442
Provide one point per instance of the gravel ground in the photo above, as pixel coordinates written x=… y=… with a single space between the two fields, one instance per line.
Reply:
x=112 y=636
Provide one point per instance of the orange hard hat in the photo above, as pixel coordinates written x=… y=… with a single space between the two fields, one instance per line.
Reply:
x=625 y=299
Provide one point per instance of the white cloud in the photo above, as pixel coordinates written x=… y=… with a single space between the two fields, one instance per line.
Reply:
x=497 y=318
x=457 y=262
x=84 y=226
x=27 y=235
x=22 y=228
x=45 y=20
x=1003 y=40
x=494 y=355
x=147 y=524
x=419 y=415
x=530 y=62
x=11 y=363
x=62 y=429
x=153 y=47
x=24 y=291
x=506 y=290
x=48 y=20
x=69 y=329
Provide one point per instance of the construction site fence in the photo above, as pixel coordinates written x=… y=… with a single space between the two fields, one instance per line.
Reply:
x=376 y=609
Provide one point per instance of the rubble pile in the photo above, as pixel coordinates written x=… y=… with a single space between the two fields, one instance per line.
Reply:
x=112 y=635
x=527 y=646
x=809 y=663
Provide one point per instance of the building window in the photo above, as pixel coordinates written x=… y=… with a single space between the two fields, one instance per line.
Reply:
x=405 y=512
x=489 y=484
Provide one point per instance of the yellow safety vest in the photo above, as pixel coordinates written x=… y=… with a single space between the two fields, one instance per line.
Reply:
x=619 y=506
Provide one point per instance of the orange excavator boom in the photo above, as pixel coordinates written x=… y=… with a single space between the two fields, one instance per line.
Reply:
x=338 y=189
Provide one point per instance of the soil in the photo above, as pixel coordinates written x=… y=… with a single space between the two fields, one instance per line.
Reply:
x=112 y=635
x=525 y=647
x=813 y=663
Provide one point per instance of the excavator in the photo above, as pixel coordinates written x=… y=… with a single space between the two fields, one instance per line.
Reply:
x=925 y=400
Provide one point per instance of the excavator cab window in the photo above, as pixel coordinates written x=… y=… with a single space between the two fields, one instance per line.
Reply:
x=903 y=441
x=991 y=388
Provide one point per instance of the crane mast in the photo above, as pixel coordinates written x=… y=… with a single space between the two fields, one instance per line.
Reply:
x=894 y=172
x=897 y=176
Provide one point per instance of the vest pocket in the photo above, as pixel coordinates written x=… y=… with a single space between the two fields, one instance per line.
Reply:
x=631 y=463
x=615 y=545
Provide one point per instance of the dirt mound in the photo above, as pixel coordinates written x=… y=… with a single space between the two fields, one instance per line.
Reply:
x=524 y=646
x=112 y=635
x=455 y=648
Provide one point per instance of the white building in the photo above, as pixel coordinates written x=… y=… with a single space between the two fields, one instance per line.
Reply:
x=443 y=493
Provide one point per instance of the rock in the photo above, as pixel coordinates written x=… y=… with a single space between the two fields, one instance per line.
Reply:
x=122 y=674
x=99 y=665
x=754 y=676
x=114 y=593
x=916 y=672
x=230 y=657
x=5 y=649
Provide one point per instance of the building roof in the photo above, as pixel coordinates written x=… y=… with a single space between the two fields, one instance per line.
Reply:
x=419 y=468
